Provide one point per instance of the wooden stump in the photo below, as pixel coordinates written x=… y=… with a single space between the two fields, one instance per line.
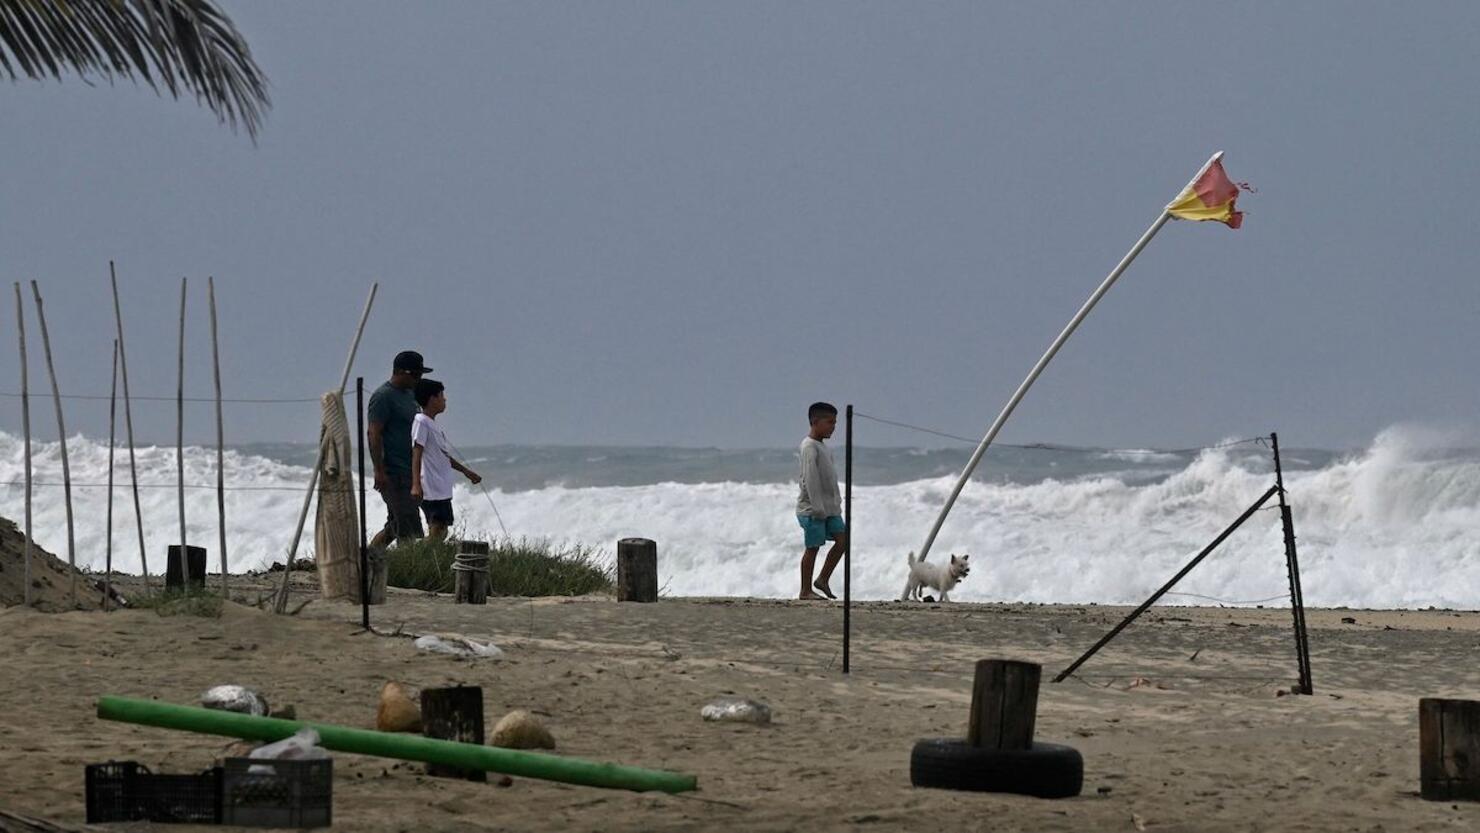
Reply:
x=191 y=574
x=1004 y=704
x=471 y=567
x=1449 y=749
x=637 y=570
x=453 y=714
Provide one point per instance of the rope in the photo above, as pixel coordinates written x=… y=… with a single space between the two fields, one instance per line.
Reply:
x=90 y=396
x=1230 y=601
x=212 y=486
x=1043 y=446
x=486 y=496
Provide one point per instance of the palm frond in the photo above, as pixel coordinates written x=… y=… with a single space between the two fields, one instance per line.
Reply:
x=171 y=45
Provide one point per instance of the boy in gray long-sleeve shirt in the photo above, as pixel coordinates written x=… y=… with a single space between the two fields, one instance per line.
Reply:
x=819 y=504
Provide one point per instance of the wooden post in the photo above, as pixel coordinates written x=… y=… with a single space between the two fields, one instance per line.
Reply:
x=1004 y=704
x=20 y=324
x=112 y=432
x=56 y=395
x=128 y=422
x=471 y=569
x=180 y=421
x=453 y=714
x=637 y=570
x=1449 y=749
x=220 y=436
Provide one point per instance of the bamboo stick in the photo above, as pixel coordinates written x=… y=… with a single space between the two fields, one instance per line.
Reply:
x=280 y=605
x=112 y=436
x=128 y=421
x=180 y=439
x=56 y=395
x=220 y=435
x=20 y=322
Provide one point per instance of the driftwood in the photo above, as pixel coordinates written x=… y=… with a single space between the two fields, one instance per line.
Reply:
x=336 y=533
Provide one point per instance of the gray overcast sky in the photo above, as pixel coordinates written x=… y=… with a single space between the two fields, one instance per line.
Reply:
x=679 y=223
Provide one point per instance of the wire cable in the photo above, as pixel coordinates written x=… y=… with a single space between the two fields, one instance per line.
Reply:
x=1043 y=446
x=91 y=396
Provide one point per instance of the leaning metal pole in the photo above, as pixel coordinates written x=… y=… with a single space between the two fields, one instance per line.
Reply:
x=1292 y=562
x=1169 y=585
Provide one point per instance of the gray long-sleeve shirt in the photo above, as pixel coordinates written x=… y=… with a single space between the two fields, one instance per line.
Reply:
x=818 y=496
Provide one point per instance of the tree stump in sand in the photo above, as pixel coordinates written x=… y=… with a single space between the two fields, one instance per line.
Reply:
x=637 y=570
x=1449 y=749
x=471 y=569
x=453 y=714
x=336 y=530
x=1004 y=704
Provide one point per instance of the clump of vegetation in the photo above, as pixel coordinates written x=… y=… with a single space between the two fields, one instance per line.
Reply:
x=189 y=602
x=515 y=568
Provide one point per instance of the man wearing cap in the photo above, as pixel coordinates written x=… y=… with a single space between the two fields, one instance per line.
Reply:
x=390 y=413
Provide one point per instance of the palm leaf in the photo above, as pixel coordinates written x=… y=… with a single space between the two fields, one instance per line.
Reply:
x=171 y=45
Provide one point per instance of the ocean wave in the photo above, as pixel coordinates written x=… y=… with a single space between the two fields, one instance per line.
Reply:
x=1388 y=526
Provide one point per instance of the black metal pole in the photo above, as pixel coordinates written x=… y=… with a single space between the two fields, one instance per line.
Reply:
x=847 y=522
x=364 y=546
x=1169 y=585
x=1292 y=563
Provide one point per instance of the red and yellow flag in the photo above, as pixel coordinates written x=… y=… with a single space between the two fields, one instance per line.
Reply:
x=1210 y=197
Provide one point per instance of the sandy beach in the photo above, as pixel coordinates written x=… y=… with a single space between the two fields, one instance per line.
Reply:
x=1180 y=720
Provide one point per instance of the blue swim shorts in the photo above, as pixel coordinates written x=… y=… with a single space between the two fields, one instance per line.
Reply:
x=817 y=531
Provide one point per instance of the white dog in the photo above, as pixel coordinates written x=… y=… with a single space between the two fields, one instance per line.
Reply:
x=942 y=577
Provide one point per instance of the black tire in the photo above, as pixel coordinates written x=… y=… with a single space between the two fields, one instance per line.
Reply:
x=1047 y=770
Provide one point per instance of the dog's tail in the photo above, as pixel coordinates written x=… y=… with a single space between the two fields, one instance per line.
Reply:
x=912 y=558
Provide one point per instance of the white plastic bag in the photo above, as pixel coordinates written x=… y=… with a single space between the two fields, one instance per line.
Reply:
x=303 y=745
x=456 y=645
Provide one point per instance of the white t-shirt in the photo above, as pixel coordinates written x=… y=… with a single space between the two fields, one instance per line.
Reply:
x=436 y=466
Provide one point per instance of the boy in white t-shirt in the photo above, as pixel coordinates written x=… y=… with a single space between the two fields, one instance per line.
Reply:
x=431 y=465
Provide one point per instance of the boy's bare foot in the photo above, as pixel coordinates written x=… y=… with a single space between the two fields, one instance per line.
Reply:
x=809 y=596
x=822 y=586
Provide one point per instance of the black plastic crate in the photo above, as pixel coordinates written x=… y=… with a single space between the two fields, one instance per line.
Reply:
x=128 y=791
x=267 y=793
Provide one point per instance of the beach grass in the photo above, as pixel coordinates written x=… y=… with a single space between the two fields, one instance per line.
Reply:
x=522 y=567
x=188 y=602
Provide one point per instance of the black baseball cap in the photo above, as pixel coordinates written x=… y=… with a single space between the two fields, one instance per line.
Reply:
x=409 y=361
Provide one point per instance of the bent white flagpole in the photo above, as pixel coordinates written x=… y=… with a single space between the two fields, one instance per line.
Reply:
x=1053 y=349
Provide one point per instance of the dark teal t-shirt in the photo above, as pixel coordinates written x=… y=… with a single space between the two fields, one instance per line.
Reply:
x=394 y=409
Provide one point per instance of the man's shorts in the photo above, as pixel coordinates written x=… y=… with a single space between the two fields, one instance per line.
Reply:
x=817 y=531
x=402 y=519
x=438 y=511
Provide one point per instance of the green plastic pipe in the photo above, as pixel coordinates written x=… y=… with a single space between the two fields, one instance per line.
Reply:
x=404 y=747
